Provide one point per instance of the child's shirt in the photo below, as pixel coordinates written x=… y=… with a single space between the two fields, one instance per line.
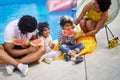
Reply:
x=46 y=42
x=60 y=37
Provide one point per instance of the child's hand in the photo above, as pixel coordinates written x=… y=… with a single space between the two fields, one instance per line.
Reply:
x=73 y=39
x=52 y=45
x=74 y=34
x=65 y=35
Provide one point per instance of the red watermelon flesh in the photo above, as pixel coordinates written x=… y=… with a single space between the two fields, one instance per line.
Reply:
x=68 y=32
x=20 y=41
x=37 y=42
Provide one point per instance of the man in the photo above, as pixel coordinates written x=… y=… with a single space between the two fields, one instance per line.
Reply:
x=23 y=28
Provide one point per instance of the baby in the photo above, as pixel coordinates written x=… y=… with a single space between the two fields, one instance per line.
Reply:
x=44 y=33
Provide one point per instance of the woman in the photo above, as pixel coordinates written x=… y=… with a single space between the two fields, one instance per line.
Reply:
x=93 y=17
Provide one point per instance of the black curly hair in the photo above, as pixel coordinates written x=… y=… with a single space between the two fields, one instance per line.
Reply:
x=42 y=26
x=64 y=20
x=104 y=4
x=27 y=24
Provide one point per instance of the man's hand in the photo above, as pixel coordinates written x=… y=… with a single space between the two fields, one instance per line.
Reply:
x=25 y=45
x=32 y=49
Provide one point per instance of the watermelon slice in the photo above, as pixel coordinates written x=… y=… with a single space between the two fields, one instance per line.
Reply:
x=68 y=32
x=20 y=41
x=36 y=42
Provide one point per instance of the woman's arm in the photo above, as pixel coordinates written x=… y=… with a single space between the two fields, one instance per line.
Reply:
x=82 y=14
x=99 y=25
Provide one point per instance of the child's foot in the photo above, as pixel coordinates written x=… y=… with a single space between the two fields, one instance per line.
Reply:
x=78 y=59
x=23 y=68
x=67 y=57
x=48 y=60
x=9 y=69
x=40 y=60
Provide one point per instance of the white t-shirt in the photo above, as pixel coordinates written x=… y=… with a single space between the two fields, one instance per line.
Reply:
x=12 y=31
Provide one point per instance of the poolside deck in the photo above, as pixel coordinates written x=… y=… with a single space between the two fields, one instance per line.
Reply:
x=102 y=64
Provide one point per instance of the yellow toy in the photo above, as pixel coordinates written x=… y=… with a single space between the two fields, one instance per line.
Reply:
x=113 y=43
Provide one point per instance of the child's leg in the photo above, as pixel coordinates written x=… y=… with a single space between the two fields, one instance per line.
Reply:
x=65 y=48
x=58 y=53
x=48 y=57
x=76 y=48
x=77 y=58
x=51 y=54
x=79 y=47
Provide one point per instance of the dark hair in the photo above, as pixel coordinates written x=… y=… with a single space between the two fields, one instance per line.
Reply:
x=104 y=4
x=42 y=26
x=64 y=20
x=27 y=24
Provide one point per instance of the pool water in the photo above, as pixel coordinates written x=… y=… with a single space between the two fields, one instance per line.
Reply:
x=14 y=9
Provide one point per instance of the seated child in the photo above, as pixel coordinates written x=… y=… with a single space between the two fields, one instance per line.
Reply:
x=44 y=33
x=67 y=44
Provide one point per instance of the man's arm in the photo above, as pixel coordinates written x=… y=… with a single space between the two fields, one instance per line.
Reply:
x=9 y=47
x=34 y=37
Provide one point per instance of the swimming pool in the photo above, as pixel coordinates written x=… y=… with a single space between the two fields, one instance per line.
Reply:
x=13 y=9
